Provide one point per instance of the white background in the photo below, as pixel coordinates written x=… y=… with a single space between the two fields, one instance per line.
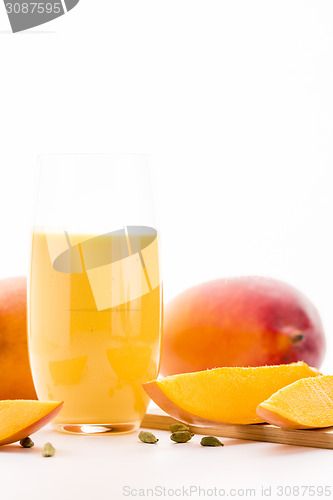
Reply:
x=234 y=102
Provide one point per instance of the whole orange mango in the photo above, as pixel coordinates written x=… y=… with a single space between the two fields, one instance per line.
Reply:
x=16 y=379
x=246 y=321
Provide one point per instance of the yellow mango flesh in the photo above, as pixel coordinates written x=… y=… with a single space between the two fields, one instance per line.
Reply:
x=20 y=417
x=68 y=371
x=307 y=403
x=230 y=394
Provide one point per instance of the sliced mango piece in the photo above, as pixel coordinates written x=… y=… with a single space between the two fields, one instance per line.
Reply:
x=68 y=371
x=228 y=395
x=20 y=418
x=305 y=404
x=130 y=361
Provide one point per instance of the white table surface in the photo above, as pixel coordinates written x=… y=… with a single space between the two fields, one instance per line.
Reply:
x=102 y=467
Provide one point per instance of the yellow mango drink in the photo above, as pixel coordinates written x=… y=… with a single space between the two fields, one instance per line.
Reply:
x=94 y=324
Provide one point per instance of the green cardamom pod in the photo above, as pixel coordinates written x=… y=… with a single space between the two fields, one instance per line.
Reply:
x=181 y=436
x=26 y=443
x=147 y=437
x=178 y=427
x=48 y=450
x=210 y=441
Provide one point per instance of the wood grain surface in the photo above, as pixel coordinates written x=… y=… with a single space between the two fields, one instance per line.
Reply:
x=315 y=438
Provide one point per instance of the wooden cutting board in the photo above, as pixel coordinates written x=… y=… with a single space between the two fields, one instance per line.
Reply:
x=315 y=438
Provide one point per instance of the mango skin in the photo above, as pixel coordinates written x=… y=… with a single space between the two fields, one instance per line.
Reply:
x=246 y=321
x=16 y=378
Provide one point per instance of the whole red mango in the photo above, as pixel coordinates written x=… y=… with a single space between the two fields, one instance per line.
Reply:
x=16 y=379
x=246 y=321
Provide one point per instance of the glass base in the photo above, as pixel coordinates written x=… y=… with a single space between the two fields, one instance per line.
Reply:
x=96 y=429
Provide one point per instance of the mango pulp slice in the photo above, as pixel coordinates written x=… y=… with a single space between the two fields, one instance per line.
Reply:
x=305 y=404
x=227 y=395
x=19 y=418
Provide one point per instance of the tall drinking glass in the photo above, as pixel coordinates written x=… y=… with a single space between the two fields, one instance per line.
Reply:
x=95 y=292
